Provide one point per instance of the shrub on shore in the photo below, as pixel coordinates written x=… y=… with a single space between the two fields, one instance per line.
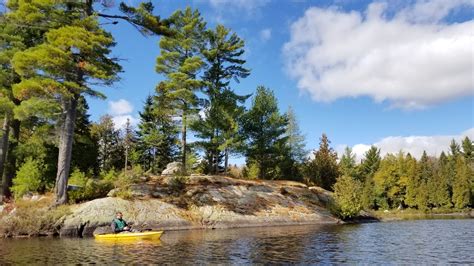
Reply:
x=32 y=218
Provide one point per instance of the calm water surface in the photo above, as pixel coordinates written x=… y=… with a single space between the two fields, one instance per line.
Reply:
x=412 y=242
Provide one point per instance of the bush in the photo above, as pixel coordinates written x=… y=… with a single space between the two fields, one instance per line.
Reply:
x=33 y=218
x=28 y=178
x=347 y=197
x=177 y=183
x=88 y=188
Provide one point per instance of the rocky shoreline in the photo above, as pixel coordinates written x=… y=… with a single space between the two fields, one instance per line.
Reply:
x=204 y=202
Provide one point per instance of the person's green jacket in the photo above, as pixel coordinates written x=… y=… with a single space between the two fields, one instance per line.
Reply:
x=118 y=225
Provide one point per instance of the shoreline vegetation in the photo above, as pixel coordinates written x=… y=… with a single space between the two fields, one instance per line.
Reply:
x=49 y=145
x=200 y=202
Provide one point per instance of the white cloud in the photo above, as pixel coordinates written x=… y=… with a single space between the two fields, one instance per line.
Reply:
x=415 y=145
x=411 y=60
x=265 y=34
x=247 y=5
x=121 y=120
x=120 y=107
x=121 y=111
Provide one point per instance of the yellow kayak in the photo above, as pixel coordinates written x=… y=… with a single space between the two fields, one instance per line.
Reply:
x=137 y=235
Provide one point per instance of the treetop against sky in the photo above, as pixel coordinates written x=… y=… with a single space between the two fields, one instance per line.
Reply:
x=397 y=74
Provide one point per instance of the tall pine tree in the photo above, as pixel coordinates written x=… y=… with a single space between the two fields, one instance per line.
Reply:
x=180 y=60
x=264 y=129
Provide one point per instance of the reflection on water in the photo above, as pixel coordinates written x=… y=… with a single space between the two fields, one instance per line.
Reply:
x=427 y=241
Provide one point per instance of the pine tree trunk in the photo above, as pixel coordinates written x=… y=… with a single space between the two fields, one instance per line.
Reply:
x=3 y=155
x=65 y=149
x=183 y=143
x=226 y=161
x=10 y=166
x=126 y=159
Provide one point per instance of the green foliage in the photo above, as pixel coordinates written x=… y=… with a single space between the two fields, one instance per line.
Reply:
x=180 y=61
x=28 y=178
x=462 y=184
x=87 y=188
x=157 y=134
x=264 y=129
x=347 y=196
x=250 y=171
x=110 y=148
x=370 y=164
x=347 y=164
x=177 y=183
x=222 y=109
x=323 y=169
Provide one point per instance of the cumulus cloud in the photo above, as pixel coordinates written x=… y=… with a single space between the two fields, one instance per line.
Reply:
x=120 y=107
x=415 y=145
x=411 y=59
x=121 y=120
x=121 y=111
x=265 y=34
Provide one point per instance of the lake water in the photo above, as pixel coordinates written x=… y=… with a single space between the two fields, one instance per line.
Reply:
x=401 y=242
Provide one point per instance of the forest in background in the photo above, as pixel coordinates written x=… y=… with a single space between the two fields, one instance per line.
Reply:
x=55 y=54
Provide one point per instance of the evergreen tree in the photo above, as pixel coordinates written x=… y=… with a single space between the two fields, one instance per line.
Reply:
x=73 y=56
x=462 y=184
x=264 y=130
x=468 y=150
x=110 y=145
x=424 y=175
x=128 y=141
x=412 y=182
x=347 y=164
x=367 y=169
x=296 y=141
x=180 y=61
x=222 y=107
x=370 y=164
x=323 y=169
x=157 y=134
x=294 y=153
x=439 y=190
x=85 y=152
x=454 y=148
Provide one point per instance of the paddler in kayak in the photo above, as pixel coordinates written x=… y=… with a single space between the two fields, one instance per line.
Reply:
x=119 y=224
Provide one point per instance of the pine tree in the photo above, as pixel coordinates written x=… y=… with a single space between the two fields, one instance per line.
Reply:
x=454 y=148
x=424 y=175
x=85 y=152
x=73 y=56
x=367 y=169
x=296 y=141
x=110 y=145
x=157 y=133
x=180 y=61
x=222 y=106
x=323 y=169
x=370 y=164
x=264 y=130
x=128 y=141
x=468 y=150
x=347 y=164
x=412 y=182
x=462 y=184
x=440 y=187
x=15 y=36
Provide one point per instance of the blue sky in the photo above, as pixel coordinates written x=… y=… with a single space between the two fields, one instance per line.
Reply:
x=398 y=74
